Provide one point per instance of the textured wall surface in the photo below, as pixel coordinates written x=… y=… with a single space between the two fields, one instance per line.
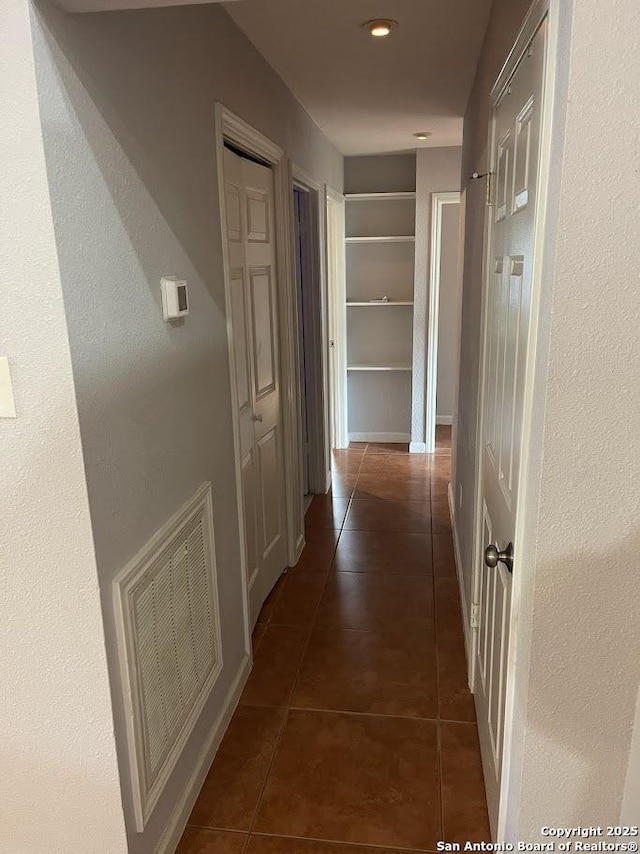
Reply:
x=504 y=23
x=127 y=102
x=578 y=667
x=59 y=787
x=437 y=170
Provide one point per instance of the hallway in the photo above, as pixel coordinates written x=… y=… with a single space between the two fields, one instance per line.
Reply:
x=356 y=725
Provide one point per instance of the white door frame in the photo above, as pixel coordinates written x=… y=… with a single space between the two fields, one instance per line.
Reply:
x=337 y=288
x=320 y=473
x=522 y=577
x=231 y=128
x=438 y=202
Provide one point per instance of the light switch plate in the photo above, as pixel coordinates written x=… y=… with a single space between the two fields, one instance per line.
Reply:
x=7 y=403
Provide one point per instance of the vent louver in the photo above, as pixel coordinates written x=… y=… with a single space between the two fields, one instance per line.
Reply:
x=170 y=644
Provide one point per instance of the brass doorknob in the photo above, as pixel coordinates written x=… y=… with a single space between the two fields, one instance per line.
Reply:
x=492 y=556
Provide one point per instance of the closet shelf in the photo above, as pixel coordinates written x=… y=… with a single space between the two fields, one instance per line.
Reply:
x=396 y=367
x=383 y=197
x=406 y=238
x=378 y=304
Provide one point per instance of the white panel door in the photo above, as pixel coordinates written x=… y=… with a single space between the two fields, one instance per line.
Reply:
x=515 y=134
x=249 y=198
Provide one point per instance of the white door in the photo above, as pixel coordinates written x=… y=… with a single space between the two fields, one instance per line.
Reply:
x=249 y=198
x=514 y=158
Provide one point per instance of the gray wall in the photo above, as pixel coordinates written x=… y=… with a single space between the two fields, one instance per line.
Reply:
x=505 y=21
x=127 y=105
x=59 y=783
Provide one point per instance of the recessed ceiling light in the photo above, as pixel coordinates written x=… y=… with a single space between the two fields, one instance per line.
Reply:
x=380 y=28
x=423 y=134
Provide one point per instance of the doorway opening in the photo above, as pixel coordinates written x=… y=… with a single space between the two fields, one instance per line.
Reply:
x=443 y=341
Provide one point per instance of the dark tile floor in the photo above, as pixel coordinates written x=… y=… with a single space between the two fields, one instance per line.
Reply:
x=356 y=727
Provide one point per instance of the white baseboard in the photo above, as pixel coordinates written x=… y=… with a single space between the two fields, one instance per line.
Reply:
x=379 y=437
x=417 y=447
x=444 y=419
x=463 y=596
x=178 y=821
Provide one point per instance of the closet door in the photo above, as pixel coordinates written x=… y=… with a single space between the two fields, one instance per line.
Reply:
x=251 y=245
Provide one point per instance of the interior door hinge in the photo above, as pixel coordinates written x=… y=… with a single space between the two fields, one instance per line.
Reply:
x=489 y=189
x=475 y=608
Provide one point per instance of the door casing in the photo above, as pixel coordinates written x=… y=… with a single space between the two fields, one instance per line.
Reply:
x=337 y=289
x=522 y=578
x=320 y=433
x=231 y=128
x=438 y=201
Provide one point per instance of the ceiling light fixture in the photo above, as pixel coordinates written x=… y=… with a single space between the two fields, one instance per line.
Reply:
x=380 y=28
x=423 y=134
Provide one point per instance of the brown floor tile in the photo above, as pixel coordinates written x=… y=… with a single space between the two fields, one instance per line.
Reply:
x=385 y=552
x=440 y=466
x=358 y=446
x=378 y=514
x=200 y=840
x=343 y=482
x=444 y=562
x=317 y=555
x=347 y=460
x=439 y=486
x=256 y=637
x=298 y=600
x=375 y=601
x=387 y=673
x=400 y=464
x=464 y=803
x=443 y=437
x=387 y=448
x=326 y=511
x=275 y=666
x=230 y=793
x=265 y=612
x=354 y=778
x=440 y=517
x=289 y=845
x=393 y=486
x=455 y=699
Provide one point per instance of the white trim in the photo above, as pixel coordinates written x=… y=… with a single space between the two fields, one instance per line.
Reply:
x=379 y=437
x=417 y=448
x=146 y=794
x=337 y=287
x=438 y=201
x=444 y=420
x=178 y=820
x=243 y=136
x=468 y=631
x=321 y=439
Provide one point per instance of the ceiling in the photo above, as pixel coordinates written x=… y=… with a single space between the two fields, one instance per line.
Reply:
x=370 y=95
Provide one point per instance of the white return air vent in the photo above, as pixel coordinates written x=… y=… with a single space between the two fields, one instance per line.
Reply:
x=169 y=644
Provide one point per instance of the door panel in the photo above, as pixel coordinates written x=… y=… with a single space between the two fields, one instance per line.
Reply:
x=250 y=209
x=263 y=331
x=514 y=157
x=269 y=465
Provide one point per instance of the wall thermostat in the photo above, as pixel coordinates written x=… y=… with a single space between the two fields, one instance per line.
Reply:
x=175 y=300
